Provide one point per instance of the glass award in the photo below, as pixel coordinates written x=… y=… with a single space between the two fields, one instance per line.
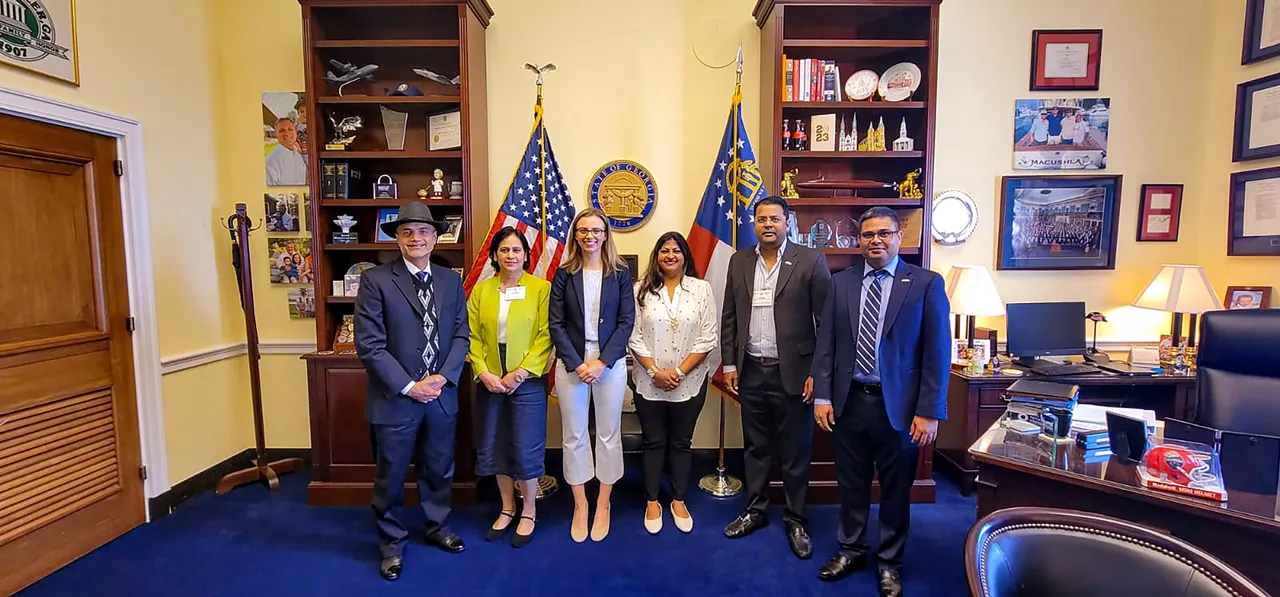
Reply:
x=846 y=233
x=820 y=235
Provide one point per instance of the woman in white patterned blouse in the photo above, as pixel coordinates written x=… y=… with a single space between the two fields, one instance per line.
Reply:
x=676 y=327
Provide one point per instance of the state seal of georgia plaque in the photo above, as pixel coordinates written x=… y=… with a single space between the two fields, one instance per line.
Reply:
x=624 y=191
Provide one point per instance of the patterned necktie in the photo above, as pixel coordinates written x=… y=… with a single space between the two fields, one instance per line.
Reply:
x=867 y=340
x=428 y=298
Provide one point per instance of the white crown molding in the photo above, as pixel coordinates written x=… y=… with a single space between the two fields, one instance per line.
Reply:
x=137 y=236
x=214 y=354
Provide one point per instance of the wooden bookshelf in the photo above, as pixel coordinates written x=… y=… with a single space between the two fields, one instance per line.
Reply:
x=856 y=34
x=446 y=37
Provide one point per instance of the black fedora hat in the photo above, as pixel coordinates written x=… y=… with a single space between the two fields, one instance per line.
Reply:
x=414 y=211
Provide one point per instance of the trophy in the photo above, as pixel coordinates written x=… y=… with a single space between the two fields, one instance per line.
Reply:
x=846 y=233
x=909 y=188
x=789 y=187
x=820 y=235
x=455 y=189
x=346 y=237
x=437 y=184
x=395 y=124
x=385 y=190
x=344 y=132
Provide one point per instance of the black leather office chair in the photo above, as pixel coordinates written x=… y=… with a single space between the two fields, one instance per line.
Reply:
x=1238 y=371
x=1043 y=552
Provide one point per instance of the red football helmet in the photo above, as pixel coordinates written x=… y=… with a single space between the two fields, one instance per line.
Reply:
x=1175 y=464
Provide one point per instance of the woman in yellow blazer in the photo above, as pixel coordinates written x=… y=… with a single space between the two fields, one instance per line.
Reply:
x=510 y=347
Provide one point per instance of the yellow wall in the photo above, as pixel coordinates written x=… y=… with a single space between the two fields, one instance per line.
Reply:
x=153 y=61
x=1210 y=215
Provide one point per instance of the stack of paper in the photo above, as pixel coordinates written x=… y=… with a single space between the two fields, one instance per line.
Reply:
x=1088 y=417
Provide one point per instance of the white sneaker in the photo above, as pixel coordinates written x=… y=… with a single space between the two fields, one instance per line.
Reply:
x=684 y=523
x=654 y=525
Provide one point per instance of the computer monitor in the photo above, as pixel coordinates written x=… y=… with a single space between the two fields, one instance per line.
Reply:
x=1044 y=329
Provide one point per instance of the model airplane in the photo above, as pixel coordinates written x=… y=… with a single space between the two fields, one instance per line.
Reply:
x=349 y=72
x=454 y=82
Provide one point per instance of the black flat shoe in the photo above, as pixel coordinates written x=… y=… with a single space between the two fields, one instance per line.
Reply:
x=840 y=567
x=518 y=540
x=493 y=534
x=745 y=524
x=391 y=567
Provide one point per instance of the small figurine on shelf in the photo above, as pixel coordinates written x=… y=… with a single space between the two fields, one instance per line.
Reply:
x=879 y=140
x=788 y=190
x=903 y=142
x=437 y=184
x=786 y=135
x=909 y=188
x=1180 y=364
x=849 y=141
x=799 y=140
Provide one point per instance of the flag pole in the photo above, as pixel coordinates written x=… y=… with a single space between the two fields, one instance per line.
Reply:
x=720 y=484
x=547 y=484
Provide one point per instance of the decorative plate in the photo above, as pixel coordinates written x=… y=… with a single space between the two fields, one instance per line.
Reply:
x=861 y=85
x=955 y=216
x=357 y=268
x=899 y=82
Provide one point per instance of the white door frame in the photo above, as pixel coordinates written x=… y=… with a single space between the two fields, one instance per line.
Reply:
x=137 y=237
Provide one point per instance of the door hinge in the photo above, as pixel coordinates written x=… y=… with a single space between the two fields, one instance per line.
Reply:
x=142 y=472
x=130 y=324
x=119 y=165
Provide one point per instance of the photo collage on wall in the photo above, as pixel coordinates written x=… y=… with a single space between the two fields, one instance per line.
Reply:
x=285 y=144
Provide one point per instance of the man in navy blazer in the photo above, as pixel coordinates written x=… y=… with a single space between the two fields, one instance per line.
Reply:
x=412 y=336
x=880 y=372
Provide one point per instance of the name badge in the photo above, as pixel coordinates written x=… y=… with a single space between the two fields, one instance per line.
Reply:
x=762 y=298
x=514 y=293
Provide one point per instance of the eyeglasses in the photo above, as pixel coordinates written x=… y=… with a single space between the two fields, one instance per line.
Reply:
x=769 y=219
x=882 y=234
x=590 y=231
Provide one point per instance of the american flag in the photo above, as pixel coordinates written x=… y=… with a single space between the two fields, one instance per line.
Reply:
x=735 y=179
x=537 y=203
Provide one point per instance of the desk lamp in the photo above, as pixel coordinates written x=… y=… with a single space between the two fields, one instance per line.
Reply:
x=1180 y=289
x=972 y=293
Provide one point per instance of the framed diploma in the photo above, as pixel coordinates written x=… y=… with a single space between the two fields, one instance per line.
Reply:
x=1257 y=129
x=1261 y=30
x=1066 y=60
x=1159 y=212
x=1253 y=222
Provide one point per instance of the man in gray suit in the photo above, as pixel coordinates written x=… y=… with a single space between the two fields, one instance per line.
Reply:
x=773 y=297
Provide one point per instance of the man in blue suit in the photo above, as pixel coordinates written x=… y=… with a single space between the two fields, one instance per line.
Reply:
x=880 y=372
x=412 y=336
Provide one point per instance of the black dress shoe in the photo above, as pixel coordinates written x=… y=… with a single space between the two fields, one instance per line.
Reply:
x=446 y=541
x=746 y=523
x=391 y=567
x=492 y=534
x=518 y=540
x=841 y=566
x=890 y=583
x=799 y=540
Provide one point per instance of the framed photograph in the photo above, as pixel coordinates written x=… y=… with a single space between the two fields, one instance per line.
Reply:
x=302 y=303
x=282 y=212
x=386 y=214
x=1066 y=59
x=290 y=260
x=1261 y=35
x=454 y=233
x=1257 y=130
x=1247 y=297
x=633 y=263
x=284 y=137
x=1058 y=222
x=1253 y=222
x=1061 y=134
x=1159 y=213
x=40 y=36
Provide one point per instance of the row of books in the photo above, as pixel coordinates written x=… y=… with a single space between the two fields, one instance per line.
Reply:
x=339 y=180
x=811 y=80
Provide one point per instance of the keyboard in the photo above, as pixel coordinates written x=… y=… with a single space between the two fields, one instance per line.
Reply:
x=1064 y=369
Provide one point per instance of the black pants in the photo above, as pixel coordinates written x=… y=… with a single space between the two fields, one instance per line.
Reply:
x=667 y=431
x=865 y=439
x=774 y=425
x=427 y=442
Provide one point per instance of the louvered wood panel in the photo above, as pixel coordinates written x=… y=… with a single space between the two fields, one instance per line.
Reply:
x=57 y=458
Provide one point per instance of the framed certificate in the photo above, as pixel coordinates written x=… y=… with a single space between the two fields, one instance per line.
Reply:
x=1066 y=60
x=1261 y=30
x=1159 y=212
x=1253 y=222
x=1257 y=128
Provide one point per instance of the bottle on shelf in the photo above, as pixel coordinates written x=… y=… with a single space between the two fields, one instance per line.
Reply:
x=799 y=140
x=786 y=136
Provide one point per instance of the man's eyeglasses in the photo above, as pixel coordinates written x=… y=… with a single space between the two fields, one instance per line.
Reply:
x=590 y=231
x=882 y=234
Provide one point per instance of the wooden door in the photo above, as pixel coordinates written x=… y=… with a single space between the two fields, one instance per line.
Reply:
x=69 y=448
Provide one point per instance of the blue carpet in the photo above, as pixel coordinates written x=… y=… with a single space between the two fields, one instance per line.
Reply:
x=250 y=542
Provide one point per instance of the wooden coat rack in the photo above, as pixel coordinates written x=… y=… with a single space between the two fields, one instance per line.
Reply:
x=239 y=227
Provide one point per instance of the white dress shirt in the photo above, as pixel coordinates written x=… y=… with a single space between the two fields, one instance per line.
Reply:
x=762 y=332
x=591 y=280
x=286 y=167
x=693 y=307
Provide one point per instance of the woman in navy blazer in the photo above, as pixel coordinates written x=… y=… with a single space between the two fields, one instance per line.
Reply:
x=591 y=315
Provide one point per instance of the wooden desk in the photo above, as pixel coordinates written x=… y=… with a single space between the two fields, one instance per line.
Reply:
x=974 y=403
x=1026 y=470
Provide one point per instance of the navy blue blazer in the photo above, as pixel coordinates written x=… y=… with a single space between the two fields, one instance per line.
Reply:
x=617 y=317
x=390 y=341
x=914 y=351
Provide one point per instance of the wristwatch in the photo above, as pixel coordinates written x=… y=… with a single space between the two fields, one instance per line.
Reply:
x=653 y=371
x=679 y=374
